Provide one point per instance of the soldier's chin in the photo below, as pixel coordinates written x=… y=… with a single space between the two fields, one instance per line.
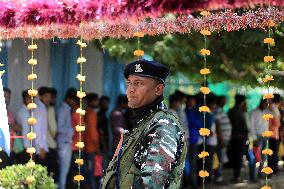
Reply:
x=132 y=104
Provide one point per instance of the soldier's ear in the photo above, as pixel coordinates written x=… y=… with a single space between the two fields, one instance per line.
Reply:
x=159 y=89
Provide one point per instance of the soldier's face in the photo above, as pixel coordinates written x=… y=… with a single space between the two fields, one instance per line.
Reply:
x=142 y=91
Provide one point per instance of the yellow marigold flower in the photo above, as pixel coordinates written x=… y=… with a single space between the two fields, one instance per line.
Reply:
x=204 y=13
x=267 y=170
x=80 y=144
x=32 y=77
x=32 y=62
x=81 y=44
x=1 y=149
x=32 y=92
x=205 y=32
x=203 y=154
x=81 y=111
x=32 y=121
x=267 y=152
x=205 y=90
x=204 y=132
x=1 y=65
x=269 y=40
x=205 y=71
x=265 y=187
x=0 y=160
x=267 y=134
x=31 y=136
x=267 y=117
x=268 y=59
x=30 y=179
x=80 y=128
x=79 y=161
x=32 y=47
x=30 y=164
x=30 y=150
x=31 y=106
x=203 y=174
x=138 y=53
x=205 y=52
x=78 y=178
x=268 y=96
x=2 y=72
x=138 y=34
x=204 y=109
x=81 y=94
x=271 y=23
x=81 y=78
x=81 y=60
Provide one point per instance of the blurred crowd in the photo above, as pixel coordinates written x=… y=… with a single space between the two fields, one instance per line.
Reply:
x=234 y=135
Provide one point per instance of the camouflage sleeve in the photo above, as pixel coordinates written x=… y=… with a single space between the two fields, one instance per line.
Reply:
x=158 y=154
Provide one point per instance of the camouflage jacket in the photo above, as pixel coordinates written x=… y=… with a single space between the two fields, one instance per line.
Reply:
x=158 y=157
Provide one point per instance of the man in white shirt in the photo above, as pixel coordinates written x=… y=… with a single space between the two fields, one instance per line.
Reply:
x=41 y=126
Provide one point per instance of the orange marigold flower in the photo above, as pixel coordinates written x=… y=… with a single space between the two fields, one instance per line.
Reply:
x=205 y=71
x=31 y=150
x=138 y=53
x=138 y=34
x=204 y=132
x=32 y=92
x=32 y=77
x=271 y=23
x=30 y=179
x=80 y=128
x=268 y=59
x=267 y=134
x=267 y=152
x=31 y=106
x=32 y=62
x=203 y=154
x=205 y=52
x=205 y=32
x=205 y=90
x=265 y=187
x=32 y=47
x=81 y=111
x=204 y=109
x=267 y=117
x=268 y=78
x=203 y=174
x=267 y=170
x=79 y=161
x=268 y=96
x=78 y=178
x=31 y=135
x=269 y=40
x=32 y=121
x=80 y=144
x=204 y=13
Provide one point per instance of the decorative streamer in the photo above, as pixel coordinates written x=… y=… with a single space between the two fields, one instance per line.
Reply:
x=80 y=128
x=31 y=107
x=204 y=132
x=267 y=117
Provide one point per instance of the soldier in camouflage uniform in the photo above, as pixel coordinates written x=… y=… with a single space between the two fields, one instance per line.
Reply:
x=153 y=155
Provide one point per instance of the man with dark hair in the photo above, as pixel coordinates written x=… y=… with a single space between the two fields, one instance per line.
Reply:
x=153 y=155
x=22 y=116
x=64 y=135
x=117 y=119
x=239 y=135
x=41 y=126
x=92 y=139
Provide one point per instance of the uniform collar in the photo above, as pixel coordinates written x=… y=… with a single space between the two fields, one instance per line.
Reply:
x=139 y=114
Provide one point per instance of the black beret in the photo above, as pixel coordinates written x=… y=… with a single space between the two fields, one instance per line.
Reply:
x=146 y=68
